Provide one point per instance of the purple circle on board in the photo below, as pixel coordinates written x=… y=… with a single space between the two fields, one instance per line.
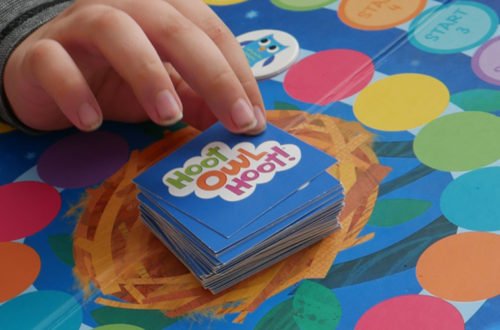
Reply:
x=486 y=61
x=83 y=159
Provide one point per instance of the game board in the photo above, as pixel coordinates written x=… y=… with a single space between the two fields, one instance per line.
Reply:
x=406 y=95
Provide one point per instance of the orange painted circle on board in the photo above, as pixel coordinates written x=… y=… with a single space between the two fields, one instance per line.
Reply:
x=378 y=14
x=462 y=267
x=19 y=265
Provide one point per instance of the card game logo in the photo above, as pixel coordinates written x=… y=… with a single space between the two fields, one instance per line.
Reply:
x=232 y=174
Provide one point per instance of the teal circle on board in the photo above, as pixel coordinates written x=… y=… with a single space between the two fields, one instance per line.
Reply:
x=459 y=142
x=453 y=28
x=41 y=309
x=472 y=201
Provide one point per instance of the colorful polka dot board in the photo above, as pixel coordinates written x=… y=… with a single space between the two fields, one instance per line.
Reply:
x=405 y=92
x=269 y=52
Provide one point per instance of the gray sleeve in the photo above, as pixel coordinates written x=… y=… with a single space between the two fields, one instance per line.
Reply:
x=18 y=18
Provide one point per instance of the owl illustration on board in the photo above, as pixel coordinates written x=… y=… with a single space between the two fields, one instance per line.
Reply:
x=264 y=49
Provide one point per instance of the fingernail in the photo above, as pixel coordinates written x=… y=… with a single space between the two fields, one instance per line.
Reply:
x=89 y=117
x=168 y=108
x=261 y=121
x=243 y=115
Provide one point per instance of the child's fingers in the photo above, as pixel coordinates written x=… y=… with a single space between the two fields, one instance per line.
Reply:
x=197 y=59
x=196 y=111
x=122 y=42
x=53 y=69
x=208 y=21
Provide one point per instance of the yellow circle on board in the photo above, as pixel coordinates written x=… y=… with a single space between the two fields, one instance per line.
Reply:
x=223 y=2
x=401 y=102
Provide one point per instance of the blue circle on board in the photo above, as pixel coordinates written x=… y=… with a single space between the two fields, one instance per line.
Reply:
x=472 y=200
x=41 y=309
x=453 y=28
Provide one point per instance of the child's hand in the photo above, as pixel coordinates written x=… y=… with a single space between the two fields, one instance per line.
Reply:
x=127 y=60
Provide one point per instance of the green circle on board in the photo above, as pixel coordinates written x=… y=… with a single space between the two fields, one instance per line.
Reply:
x=302 y=5
x=459 y=142
x=117 y=326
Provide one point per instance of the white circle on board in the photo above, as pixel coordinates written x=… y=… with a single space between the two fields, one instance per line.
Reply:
x=269 y=52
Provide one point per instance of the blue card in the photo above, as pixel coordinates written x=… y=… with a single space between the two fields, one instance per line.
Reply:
x=226 y=181
x=289 y=210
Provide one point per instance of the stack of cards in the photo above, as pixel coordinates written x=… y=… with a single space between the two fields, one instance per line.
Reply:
x=229 y=205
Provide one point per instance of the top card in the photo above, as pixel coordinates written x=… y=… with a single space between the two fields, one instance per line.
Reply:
x=226 y=181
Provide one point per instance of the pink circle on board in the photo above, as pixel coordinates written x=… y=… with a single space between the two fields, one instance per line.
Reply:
x=329 y=76
x=83 y=159
x=412 y=312
x=26 y=208
x=486 y=61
